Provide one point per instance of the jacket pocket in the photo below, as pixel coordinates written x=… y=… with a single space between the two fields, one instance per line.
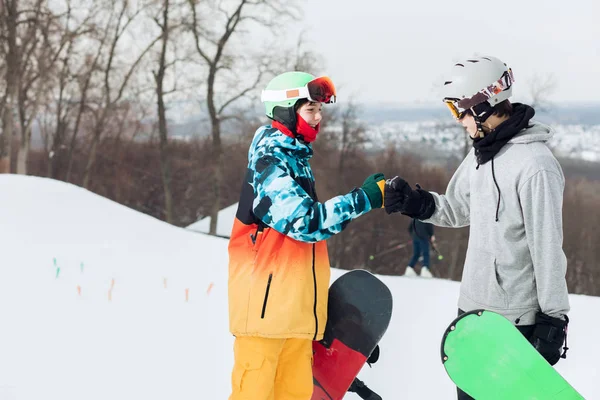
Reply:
x=264 y=306
x=245 y=372
x=480 y=280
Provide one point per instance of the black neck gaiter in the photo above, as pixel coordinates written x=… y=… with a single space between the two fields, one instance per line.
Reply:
x=488 y=146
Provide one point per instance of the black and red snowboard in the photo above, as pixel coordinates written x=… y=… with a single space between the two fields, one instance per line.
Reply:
x=359 y=312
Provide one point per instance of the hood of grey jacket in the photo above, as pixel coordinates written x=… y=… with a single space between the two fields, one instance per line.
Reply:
x=537 y=132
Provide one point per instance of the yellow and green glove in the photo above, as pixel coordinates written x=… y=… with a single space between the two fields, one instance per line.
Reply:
x=374 y=187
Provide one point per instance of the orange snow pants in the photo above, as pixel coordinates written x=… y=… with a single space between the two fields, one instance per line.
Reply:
x=272 y=369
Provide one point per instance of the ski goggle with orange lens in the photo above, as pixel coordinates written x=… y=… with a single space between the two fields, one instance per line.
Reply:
x=319 y=90
x=456 y=111
x=460 y=107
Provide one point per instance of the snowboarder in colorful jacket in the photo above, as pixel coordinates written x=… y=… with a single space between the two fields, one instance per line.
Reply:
x=278 y=264
x=509 y=190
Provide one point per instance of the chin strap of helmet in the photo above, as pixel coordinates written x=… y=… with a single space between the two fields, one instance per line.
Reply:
x=478 y=122
x=481 y=112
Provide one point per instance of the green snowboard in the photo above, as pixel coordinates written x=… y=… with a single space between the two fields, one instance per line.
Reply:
x=488 y=358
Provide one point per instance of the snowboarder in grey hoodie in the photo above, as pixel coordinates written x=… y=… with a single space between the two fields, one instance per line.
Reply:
x=509 y=191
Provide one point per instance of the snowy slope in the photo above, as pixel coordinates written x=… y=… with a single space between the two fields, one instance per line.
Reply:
x=115 y=323
x=224 y=222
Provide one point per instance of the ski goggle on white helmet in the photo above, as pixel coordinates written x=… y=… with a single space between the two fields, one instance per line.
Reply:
x=460 y=107
x=319 y=90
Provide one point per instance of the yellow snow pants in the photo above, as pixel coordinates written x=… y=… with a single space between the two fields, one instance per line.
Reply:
x=272 y=369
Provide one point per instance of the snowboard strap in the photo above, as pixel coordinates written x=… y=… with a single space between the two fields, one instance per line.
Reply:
x=565 y=347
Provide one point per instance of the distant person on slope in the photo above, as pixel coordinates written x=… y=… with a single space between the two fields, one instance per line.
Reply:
x=278 y=264
x=509 y=190
x=421 y=234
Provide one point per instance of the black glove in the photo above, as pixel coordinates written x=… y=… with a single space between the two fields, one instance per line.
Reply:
x=400 y=197
x=548 y=337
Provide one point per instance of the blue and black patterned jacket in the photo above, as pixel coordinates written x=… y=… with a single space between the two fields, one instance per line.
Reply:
x=279 y=267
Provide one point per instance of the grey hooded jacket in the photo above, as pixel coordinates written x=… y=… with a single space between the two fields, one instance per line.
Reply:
x=514 y=266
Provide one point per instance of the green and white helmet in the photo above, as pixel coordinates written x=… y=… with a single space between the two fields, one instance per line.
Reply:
x=283 y=92
x=282 y=82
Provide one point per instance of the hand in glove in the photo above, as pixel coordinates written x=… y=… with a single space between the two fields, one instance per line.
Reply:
x=373 y=187
x=400 y=197
x=548 y=337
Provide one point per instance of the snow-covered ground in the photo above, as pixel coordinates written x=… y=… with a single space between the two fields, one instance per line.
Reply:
x=224 y=222
x=101 y=302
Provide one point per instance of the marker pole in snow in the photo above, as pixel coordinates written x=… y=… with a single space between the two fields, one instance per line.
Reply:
x=112 y=286
x=57 y=268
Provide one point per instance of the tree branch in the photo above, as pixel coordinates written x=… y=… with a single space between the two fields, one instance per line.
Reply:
x=242 y=93
x=196 y=33
x=134 y=66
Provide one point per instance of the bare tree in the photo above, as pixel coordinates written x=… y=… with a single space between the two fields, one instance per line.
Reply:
x=159 y=77
x=83 y=77
x=48 y=39
x=540 y=88
x=211 y=46
x=111 y=97
x=298 y=58
x=353 y=135
x=33 y=68
x=28 y=44
x=9 y=14
x=55 y=139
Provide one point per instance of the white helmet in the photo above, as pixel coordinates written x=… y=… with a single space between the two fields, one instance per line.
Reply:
x=476 y=80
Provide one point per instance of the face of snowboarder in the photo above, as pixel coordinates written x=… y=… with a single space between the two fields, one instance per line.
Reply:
x=311 y=113
x=468 y=122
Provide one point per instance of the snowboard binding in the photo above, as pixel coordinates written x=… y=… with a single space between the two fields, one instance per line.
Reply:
x=363 y=391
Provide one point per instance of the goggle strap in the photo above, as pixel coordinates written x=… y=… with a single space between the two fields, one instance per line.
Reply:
x=502 y=84
x=284 y=94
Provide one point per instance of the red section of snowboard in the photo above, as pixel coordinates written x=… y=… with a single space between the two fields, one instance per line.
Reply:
x=340 y=358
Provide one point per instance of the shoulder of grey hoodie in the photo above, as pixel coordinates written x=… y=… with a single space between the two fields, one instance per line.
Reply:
x=530 y=152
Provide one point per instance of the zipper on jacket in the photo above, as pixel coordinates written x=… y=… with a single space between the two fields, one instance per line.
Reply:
x=315 y=286
x=264 y=307
x=253 y=237
x=259 y=228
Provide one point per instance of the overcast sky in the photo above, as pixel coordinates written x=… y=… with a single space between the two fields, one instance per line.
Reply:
x=397 y=51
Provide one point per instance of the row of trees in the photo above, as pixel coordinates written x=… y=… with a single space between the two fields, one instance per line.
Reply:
x=75 y=72
x=95 y=83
